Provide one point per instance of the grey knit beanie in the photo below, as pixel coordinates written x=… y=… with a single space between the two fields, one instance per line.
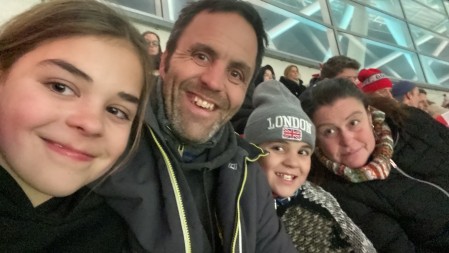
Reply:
x=278 y=116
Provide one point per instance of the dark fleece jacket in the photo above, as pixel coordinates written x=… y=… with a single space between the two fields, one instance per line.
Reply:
x=157 y=195
x=400 y=214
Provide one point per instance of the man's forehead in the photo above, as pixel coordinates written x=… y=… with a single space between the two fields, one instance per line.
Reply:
x=218 y=30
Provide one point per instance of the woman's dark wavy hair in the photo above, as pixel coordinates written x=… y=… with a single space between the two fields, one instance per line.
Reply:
x=59 y=19
x=328 y=91
x=245 y=10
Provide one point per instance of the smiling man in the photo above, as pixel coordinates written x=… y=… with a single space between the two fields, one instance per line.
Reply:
x=194 y=185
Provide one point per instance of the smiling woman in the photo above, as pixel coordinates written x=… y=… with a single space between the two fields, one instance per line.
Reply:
x=386 y=164
x=67 y=118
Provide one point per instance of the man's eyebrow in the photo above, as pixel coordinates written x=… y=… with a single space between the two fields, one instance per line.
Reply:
x=206 y=48
x=128 y=97
x=67 y=67
x=234 y=64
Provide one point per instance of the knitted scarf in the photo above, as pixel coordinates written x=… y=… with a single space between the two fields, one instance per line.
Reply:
x=379 y=166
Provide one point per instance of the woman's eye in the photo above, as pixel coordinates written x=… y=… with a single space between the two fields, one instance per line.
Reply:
x=201 y=59
x=355 y=122
x=118 y=113
x=329 y=132
x=60 y=88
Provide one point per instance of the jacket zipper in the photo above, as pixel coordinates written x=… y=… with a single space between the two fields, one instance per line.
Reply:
x=178 y=198
x=418 y=180
x=237 y=232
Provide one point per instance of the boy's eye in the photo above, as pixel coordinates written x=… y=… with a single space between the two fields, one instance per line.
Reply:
x=276 y=148
x=305 y=152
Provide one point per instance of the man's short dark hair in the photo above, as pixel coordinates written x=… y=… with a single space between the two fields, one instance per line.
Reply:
x=335 y=65
x=245 y=10
x=422 y=91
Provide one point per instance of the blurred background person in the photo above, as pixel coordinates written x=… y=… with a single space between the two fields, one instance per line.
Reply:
x=265 y=73
x=423 y=103
x=340 y=66
x=292 y=80
x=445 y=102
x=154 y=49
x=373 y=81
x=406 y=93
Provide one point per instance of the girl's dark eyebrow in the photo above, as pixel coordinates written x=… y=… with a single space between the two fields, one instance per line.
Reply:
x=128 y=97
x=67 y=67
x=79 y=73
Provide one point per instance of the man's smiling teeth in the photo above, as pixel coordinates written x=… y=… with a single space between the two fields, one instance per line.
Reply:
x=285 y=176
x=204 y=104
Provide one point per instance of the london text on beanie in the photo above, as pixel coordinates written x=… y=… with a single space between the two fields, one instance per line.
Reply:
x=278 y=116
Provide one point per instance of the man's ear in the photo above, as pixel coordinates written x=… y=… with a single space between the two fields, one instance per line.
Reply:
x=163 y=64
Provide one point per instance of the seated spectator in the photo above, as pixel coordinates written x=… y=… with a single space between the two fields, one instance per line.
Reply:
x=238 y=121
x=406 y=93
x=292 y=80
x=385 y=163
x=373 y=81
x=265 y=73
x=154 y=49
x=445 y=103
x=287 y=135
x=423 y=102
x=341 y=66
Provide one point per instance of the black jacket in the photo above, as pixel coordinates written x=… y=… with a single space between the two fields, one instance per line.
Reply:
x=81 y=222
x=400 y=214
x=295 y=88
x=153 y=194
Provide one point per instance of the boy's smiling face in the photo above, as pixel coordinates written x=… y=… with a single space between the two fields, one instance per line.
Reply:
x=287 y=165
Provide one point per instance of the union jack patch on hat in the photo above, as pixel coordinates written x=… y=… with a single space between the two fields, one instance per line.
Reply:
x=291 y=134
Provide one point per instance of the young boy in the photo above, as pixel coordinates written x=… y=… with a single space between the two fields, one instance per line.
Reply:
x=312 y=217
